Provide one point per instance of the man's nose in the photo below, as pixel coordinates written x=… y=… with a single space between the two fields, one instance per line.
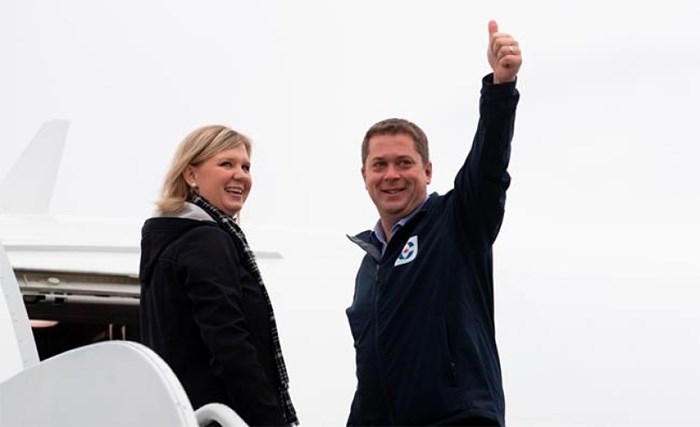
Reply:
x=392 y=172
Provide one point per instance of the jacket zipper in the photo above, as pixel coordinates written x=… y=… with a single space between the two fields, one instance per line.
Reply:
x=387 y=398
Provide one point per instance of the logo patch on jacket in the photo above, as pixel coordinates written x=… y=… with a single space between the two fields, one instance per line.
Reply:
x=409 y=251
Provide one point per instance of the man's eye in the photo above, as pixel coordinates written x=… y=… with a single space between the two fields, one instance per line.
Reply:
x=246 y=168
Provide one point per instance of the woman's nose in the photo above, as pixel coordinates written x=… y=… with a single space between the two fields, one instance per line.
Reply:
x=238 y=173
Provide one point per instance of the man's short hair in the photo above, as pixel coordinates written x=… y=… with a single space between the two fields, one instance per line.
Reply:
x=396 y=126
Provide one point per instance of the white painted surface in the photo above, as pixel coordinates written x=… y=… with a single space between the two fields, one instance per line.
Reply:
x=112 y=383
x=17 y=347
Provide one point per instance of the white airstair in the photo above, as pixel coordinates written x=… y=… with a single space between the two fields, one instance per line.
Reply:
x=110 y=383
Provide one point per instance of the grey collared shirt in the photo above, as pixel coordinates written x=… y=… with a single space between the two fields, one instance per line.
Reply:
x=378 y=231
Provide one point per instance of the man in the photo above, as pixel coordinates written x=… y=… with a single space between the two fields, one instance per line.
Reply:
x=422 y=315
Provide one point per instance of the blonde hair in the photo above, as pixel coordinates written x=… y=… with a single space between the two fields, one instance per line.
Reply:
x=199 y=146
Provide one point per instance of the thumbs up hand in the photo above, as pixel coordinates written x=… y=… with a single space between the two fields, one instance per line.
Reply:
x=504 y=55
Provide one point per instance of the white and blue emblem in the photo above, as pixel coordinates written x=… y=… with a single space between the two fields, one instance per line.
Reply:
x=409 y=251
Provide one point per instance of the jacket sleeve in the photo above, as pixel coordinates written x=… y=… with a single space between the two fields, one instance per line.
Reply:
x=481 y=183
x=214 y=288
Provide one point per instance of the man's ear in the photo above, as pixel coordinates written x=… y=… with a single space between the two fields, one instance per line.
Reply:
x=364 y=178
x=428 y=171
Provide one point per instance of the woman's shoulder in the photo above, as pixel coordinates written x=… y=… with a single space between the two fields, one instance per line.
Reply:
x=206 y=232
x=181 y=232
x=207 y=239
x=207 y=247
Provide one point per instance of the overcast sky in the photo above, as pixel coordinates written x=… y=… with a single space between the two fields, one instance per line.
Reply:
x=604 y=197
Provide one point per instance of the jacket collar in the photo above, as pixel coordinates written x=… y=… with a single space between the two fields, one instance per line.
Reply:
x=366 y=240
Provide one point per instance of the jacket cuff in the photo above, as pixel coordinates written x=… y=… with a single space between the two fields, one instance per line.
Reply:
x=489 y=87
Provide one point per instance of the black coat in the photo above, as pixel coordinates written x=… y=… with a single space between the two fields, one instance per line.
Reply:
x=206 y=316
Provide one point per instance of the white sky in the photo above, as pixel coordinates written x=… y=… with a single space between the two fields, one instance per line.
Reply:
x=597 y=262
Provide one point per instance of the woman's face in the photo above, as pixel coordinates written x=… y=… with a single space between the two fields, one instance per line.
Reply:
x=224 y=180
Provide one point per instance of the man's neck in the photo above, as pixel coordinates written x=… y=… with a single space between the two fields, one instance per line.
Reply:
x=387 y=225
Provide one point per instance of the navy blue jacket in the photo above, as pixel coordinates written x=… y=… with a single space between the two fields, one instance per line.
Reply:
x=422 y=316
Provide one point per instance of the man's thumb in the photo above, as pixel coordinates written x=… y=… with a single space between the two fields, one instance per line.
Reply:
x=493 y=27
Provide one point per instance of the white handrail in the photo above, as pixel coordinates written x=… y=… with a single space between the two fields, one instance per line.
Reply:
x=220 y=413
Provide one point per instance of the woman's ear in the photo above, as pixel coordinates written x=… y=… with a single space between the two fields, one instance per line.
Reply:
x=190 y=176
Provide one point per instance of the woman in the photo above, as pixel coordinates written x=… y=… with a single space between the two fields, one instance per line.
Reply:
x=204 y=308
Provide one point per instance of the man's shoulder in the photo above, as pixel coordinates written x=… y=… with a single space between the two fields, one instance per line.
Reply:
x=433 y=204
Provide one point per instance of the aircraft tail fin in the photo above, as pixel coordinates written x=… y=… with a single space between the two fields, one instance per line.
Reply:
x=28 y=187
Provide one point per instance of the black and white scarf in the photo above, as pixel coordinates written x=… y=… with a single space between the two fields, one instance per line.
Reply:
x=230 y=226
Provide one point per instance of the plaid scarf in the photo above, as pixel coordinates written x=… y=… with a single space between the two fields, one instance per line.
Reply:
x=230 y=226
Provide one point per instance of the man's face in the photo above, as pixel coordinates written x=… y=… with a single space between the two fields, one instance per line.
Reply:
x=395 y=176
